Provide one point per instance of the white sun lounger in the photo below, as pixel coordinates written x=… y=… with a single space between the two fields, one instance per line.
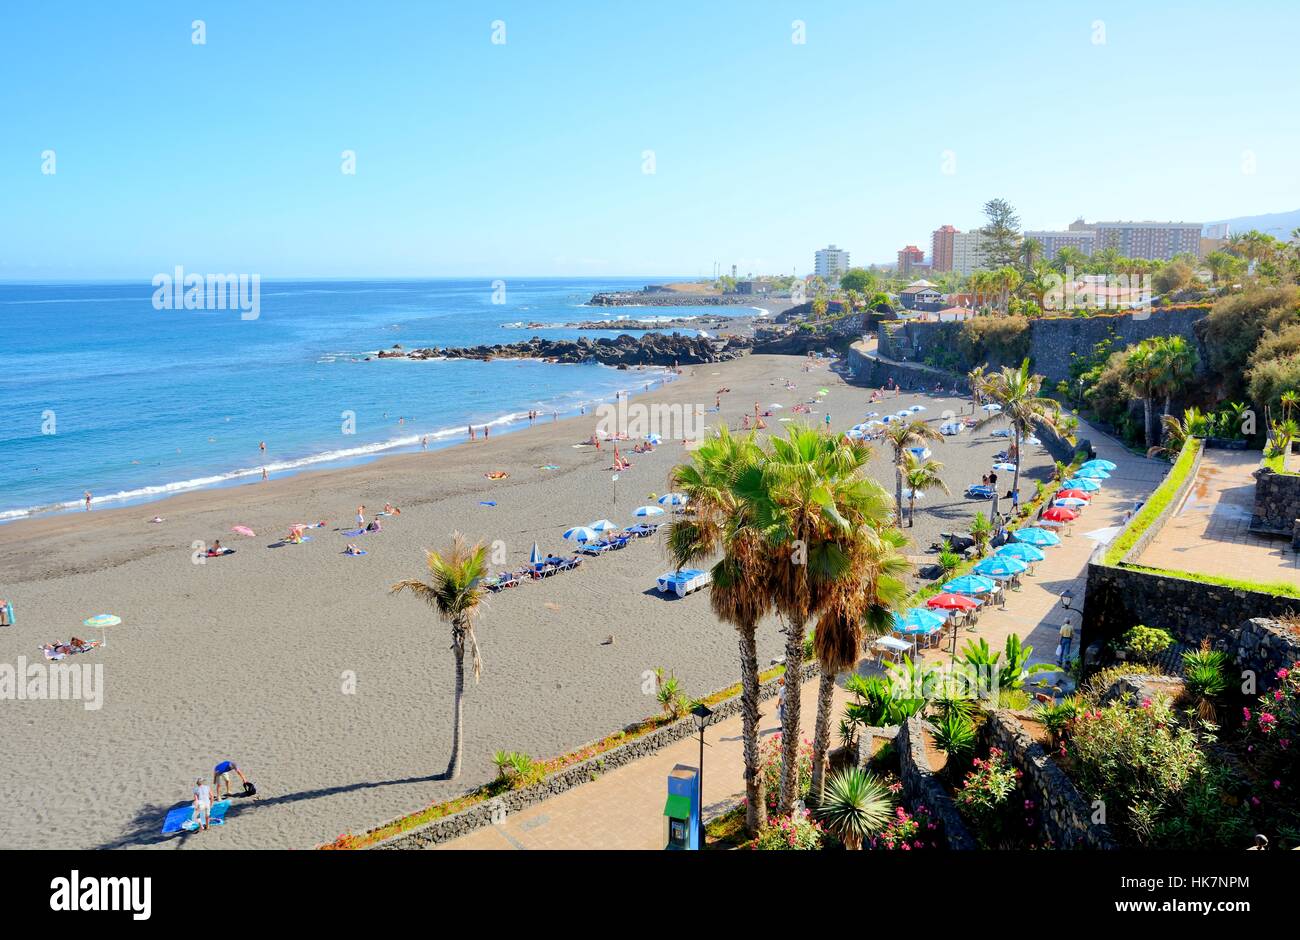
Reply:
x=683 y=582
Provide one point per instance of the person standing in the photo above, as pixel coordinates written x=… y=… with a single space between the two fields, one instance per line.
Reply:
x=261 y=446
x=361 y=516
x=88 y=498
x=424 y=442
x=1063 y=649
x=202 y=803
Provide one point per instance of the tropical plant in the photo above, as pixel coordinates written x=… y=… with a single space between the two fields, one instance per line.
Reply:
x=1205 y=677
x=1141 y=375
x=1057 y=716
x=796 y=831
x=875 y=704
x=955 y=734
x=1018 y=391
x=855 y=806
x=772 y=764
x=921 y=476
x=1176 y=361
x=1146 y=643
x=948 y=559
x=670 y=698
x=453 y=591
x=722 y=522
x=901 y=435
x=981 y=530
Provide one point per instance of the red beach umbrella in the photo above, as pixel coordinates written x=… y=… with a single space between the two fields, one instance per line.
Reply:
x=1060 y=514
x=951 y=602
x=1073 y=494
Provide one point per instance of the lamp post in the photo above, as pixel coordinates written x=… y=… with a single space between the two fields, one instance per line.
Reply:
x=702 y=715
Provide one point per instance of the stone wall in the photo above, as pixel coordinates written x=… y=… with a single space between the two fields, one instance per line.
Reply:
x=1119 y=598
x=1066 y=814
x=1277 y=502
x=1264 y=646
x=482 y=814
x=920 y=784
x=1053 y=339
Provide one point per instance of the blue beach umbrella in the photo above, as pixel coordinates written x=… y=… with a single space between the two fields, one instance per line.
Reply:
x=535 y=556
x=653 y=438
x=581 y=534
x=1092 y=473
x=602 y=525
x=969 y=584
x=920 y=453
x=1098 y=462
x=672 y=499
x=1036 y=536
x=1022 y=550
x=1000 y=566
x=918 y=620
x=915 y=408
x=902 y=415
x=648 y=511
x=873 y=414
x=1081 y=483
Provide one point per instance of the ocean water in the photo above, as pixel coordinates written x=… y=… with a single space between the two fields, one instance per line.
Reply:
x=100 y=391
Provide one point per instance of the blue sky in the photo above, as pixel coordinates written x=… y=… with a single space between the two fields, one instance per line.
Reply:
x=526 y=158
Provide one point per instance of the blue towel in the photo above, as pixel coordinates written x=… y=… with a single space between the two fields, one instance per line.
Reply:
x=354 y=531
x=487 y=502
x=178 y=818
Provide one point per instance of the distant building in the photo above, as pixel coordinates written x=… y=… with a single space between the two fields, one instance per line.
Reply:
x=751 y=287
x=1218 y=231
x=921 y=295
x=1210 y=245
x=967 y=256
x=941 y=248
x=830 y=262
x=949 y=314
x=909 y=258
x=1053 y=242
x=1152 y=240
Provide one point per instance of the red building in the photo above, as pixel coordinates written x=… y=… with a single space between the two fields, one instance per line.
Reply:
x=941 y=248
x=909 y=258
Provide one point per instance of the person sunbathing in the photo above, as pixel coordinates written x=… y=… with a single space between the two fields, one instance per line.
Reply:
x=375 y=526
x=352 y=550
x=392 y=510
x=294 y=537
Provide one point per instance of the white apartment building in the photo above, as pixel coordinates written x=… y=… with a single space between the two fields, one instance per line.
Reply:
x=830 y=262
x=966 y=257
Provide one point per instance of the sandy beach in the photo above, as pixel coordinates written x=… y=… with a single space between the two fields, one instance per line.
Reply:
x=252 y=656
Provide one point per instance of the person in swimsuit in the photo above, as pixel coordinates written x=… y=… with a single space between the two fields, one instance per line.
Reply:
x=202 y=803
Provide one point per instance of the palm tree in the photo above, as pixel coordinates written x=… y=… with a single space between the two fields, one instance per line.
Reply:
x=722 y=521
x=1031 y=250
x=1141 y=375
x=902 y=435
x=1006 y=279
x=1070 y=259
x=921 y=476
x=857 y=805
x=976 y=379
x=1175 y=362
x=1289 y=401
x=1019 y=392
x=453 y=591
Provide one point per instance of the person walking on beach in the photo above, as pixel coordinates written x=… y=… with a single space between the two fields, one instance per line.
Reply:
x=4 y=613
x=424 y=442
x=221 y=775
x=485 y=432
x=471 y=432
x=88 y=498
x=264 y=475
x=202 y=803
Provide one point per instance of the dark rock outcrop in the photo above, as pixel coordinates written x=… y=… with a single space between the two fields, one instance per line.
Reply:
x=650 y=349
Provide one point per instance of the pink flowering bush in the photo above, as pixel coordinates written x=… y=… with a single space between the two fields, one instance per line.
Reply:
x=796 y=832
x=769 y=765
x=1271 y=740
x=990 y=799
x=907 y=832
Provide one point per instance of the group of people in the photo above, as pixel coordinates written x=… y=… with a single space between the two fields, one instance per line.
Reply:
x=221 y=776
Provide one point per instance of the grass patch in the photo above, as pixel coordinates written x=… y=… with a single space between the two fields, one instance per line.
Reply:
x=495 y=788
x=1277 y=588
x=727 y=831
x=1157 y=504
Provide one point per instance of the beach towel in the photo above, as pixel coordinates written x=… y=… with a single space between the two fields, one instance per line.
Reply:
x=487 y=502
x=548 y=466
x=354 y=531
x=181 y=818
x=356 y=554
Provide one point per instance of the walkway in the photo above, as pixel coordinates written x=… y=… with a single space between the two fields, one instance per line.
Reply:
x=623 y=809
x=1209 y=533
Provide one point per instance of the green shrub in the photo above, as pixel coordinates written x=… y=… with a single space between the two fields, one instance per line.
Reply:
x=990 y=801
x=1145 y=643
x=797 y=832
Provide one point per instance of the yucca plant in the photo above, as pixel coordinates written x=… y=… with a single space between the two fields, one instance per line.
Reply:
x=855 y=806
x=948 y=559
x=1056 y=717
x=954 y=734
x=1205 y=676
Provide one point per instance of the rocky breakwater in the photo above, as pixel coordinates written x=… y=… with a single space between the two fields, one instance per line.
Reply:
x=636 y=298
x=623 y=351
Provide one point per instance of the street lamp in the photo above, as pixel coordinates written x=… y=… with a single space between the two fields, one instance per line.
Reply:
x=702 y=715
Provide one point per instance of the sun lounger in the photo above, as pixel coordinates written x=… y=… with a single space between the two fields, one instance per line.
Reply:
x=502 y=581
x=643 y=529
x=683 y=582
x=594 y=548
x=978 y=491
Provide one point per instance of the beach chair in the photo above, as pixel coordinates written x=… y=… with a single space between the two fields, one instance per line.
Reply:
x=594 y=548
x=683 y=582
x=979 y=491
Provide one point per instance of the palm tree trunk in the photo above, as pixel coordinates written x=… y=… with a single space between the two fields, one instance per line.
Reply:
x=458 y=709
x=1146 y=427
x=1167 y=397
x=898 y=485
x=1015 y=476
x=822 y=734
x=755 y=795
x=790 y=726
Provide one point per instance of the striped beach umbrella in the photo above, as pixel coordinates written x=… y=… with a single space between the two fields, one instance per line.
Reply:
x=102 y=621
x=1033 y=535
x=672 y=499
x=992 y=408
x=535 y=556
x=602 y=525
x=644 y=511
x=1072 y=493
x=1069 y=502
x=581 y=534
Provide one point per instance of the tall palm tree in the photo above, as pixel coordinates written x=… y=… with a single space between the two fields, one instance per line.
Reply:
x=1176 y=361
x=453 y=591
x=1019 y=392
x=1031 y=251
x=975 y=377
x=1289 y=401
x=1141 y=374
x=901 y=435
x=920 y=477
x=722 y=522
